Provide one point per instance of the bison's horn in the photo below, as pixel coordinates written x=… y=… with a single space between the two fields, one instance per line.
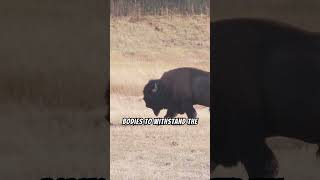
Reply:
x=155 y=88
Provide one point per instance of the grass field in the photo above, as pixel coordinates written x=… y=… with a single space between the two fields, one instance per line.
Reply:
x=52 y=79
x=143 y=49
x=52 y=121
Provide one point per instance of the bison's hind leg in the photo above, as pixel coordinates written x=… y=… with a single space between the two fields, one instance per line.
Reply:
x=260 y=162
x=189 y=109
x=318 y=152
x=192 y=113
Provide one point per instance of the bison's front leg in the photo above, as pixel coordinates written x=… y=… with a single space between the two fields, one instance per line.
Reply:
x=171 y=113
x=260 y=162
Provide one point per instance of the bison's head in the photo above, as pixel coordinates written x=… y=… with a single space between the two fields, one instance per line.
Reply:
x=154 y=96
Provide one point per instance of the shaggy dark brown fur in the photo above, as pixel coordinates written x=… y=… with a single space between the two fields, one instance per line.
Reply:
x=266 y=83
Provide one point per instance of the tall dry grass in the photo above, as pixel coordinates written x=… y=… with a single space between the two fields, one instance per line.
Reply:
x=51 y=84
x=159 y=7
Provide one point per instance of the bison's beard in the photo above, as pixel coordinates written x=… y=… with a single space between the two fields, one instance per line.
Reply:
x=156 y=111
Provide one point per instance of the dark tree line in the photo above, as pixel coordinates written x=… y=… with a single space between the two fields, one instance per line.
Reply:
x=159 y=7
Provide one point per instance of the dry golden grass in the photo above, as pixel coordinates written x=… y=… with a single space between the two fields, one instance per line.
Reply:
x=53 y=84
x=52 y=79
x=140 y=52
x=52 y=119
x=45 y=142
x=143 y=49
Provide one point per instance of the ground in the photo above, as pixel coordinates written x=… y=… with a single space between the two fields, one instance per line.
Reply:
x=142 y=48
x=51 y=93
x=297 y=160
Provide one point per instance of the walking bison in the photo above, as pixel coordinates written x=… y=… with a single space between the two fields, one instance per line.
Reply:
x=266 y=83
x=177 y=91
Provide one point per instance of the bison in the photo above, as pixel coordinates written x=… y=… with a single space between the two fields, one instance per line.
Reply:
x=266 y=84
x=177 y=91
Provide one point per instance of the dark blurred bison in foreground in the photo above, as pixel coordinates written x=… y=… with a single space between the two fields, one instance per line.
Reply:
x=177 y=91
x=266 y=83
x=107 y=102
